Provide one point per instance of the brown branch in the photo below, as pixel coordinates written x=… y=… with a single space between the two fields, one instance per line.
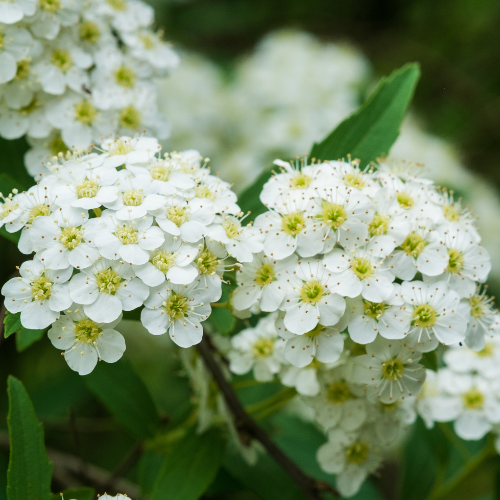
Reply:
x=68 y=472
x=244 y=422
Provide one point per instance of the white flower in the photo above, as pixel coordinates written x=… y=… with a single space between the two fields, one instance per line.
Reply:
x=13 y=11
x=136 y=197
x=210 y=265
x=422 y=250
x=85 y=341
x=129 y=151
x=360 y=273
x=342 y=216
x=352 y=456
x=258 y=349
x=63 y=235
x=262 y=281
x=188 y=220
x=483 y=320
x=171 y=261
x=469 y=401
x=178 y=309
x=310 y=300
x=64 y=65
x=209 y=186
x=351 y=176
x=81 y=123
x=339 y=403
x=51 y=16
x=390 y=370
x=107 y=288
x=127 y=16
x=305 y=379
x=15 y=46
x=294 y=229
x=436 y=316
x=129 y=240
x=468 y=261
x=388 y=318
x=241 y=241
x=39 y=294
x=426 y=399
x=41 y=151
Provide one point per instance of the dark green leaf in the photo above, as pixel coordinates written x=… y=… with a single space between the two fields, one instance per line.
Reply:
x=222 y=319
x=4 y=464
x=429 y=360
x=76 y=494
x=149 y=468
x=249 y=200
x=372 y=130
x=25 y=338
x=12 y=322
x=126 y=396
x=30 y=471
x=12 y=163
x=190 y=467
x=14 y=237
x=266 y=478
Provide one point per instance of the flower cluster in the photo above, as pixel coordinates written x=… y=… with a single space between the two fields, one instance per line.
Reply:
x=114 y=230
x=362 y=271
x=72 y=72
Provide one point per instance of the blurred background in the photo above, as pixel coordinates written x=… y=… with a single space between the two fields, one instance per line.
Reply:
x=262 y=79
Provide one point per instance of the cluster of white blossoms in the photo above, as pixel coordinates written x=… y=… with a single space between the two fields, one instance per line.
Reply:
x=363 y=272
x=73 y=71
x=117 y=229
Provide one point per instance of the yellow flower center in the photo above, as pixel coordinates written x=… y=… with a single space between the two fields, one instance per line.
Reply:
x=424 y=316
x=300 y=181
x=160 y=173
x=127 y=235
x=38 y=211
x=32 y=106
x=176 y=306
x=357 y=453
x=204 y=192
x=354 y=180
x=108 y=281
x=389 y=407
x=23 y=69
x=312 y=292
x=476 y=302
x=263 y=348
x=456 y=262
x=125 y=77
x=130 y=117
x=117 y=4
x=87 y=331
x=378 y=225
x=231 y=227
x=50 y=5
x=362 y=268
x=333 y=215
x=89 y=32
x=71 y=237
x=87 y=189
x=147 y=41
x=163 y=261
x=120 y=147
x=57 y=145
x=207 y=262
x=374 y=309
x=473 y=399
x=132 y=198
x=451 y=212
x=264 y=275
x=85 y=112
x=293 y=224
x=393 y=369
x=338 y=392
x=62 y=59
x=41 y=288
x=405 y=200
x=178 y=215
x=413 y=244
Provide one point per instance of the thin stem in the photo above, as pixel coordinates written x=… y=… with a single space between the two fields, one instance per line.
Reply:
x=453 y=439
x=245 y=423
x=222 y=305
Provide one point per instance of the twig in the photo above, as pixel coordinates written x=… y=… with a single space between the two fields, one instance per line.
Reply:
x=68 y=471
x=128 y=462
x=244 y=422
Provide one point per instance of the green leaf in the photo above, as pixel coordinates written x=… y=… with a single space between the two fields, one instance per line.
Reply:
x=30 y=471
x=190 y=467
x=266 y=478
x=249 y=200
x=12 y=322
x=372 y=129
x=126 y=396
x=25 y=338
x=76 y=494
